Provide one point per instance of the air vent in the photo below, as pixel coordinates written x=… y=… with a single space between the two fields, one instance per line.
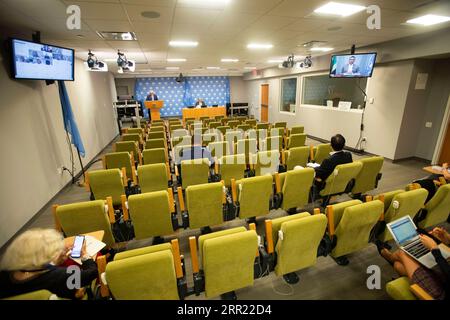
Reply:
x=117 y=36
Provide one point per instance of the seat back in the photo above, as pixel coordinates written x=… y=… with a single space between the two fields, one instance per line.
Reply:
x=132 y=137
x=134 y=130
x=219 y=149
x=214 y=125
x=295 y=186
x=85 y=217
x=228 y=262
x=297 y=248
x=131 y=279
x=233 y=136
x=251 y=122
x=297 y=157
x=404 y=203
x=246 y=147
x=262 y=126
x=399 y=289
x=204 y=204
x=266 y=162
x=157 y=128
x=438 y=208
x=194 y=172
x=273 y=143
x=321 y=152
x=106 y=183
x=280 y=125
x=366 y=180
x=176 y=127
x=254 y=196
x=150 y=213
x=244 y=127
x=223 y=129
x=297 y=140
x=152 y=177
x=355 y=225
x=151 y=156
x=119 y=160
x=337 y=182
x=127 y=146
x=296 y=130
x=208 y=138
x=276 y=131
x=232 y=167
x=184 y=140
x=156 y=135
x=155 y=143
x=233 y=123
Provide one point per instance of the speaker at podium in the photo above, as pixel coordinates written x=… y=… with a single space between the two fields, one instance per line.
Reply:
x=154 y=107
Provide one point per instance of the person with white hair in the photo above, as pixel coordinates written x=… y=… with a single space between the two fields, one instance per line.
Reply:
x=152 y=96
x=34 y=261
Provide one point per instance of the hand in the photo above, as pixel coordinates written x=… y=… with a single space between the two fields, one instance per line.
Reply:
x=445 y=165
x=441 y=234
x=429 y=243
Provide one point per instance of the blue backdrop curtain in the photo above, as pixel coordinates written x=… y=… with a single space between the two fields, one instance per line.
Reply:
x=176 y=96
x=69 y=120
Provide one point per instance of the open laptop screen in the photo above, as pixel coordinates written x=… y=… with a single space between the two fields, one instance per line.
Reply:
x=403 y=230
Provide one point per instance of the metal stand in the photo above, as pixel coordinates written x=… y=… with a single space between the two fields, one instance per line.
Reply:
x=82 y=171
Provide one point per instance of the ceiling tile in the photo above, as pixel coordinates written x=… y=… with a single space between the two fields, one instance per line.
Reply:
x=109 y=25
x=134 y=12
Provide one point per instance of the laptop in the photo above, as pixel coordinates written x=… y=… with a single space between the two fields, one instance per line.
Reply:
x=405 y=234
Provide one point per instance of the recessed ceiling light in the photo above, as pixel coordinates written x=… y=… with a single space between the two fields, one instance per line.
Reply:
x=212 y=68
x=172 y=68
x=176 y=60
x=340 y=9
x=230 y=60
x=183 y=43
x=274 y=61
x=80 y=36
x=429 y=20
x=150 y=14
x=323 y=49
x=259 y=46
x=249 y=68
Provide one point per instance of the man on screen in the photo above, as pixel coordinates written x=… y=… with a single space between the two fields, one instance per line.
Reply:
x=350 y=67
x=152 y=96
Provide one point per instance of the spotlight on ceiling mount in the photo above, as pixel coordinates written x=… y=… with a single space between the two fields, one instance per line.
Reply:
x=93 y=64
x=124 y=64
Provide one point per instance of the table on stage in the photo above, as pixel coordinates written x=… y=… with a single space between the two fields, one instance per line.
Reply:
x=204 y=112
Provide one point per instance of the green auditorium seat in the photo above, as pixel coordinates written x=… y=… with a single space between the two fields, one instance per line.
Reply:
x=210 y=137
x=295 y=187
x=152 y=273
x=35 y=295
x=296 y=130
x=351 y=223
x=368 y=177
x=152 y=214
x=276 y=132
x=272 y=143
x=214 y=125
x=155 y=143
x=219 y=149
x=107 y=183
x=232 y=167
x=156 y=135
x=401 y=289
x=294 y=240
x=321 y=152
x=119 y=160
x=227 y=261
x=135 y=130
x=157 y=155
x=204 y=205
x=176 y=127
x=254 y=196
x=248 y=147
x=296 y=140
x=85 y=217
x=437 y=209
x=233 y=123
x=280 y=125
x=194 y=172
x=296 y=157
x=251 y=122
x=244 y=127
x=266 y=162
x=157 y=128
x=153 y=177
x=232 y=136
x=127 y=146
x=262 y=126
x=218 y=118
x=223 y=130
x=132 y=137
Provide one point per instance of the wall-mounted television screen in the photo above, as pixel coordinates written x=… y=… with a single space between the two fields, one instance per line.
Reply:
x=358 y=65
x=38 y=61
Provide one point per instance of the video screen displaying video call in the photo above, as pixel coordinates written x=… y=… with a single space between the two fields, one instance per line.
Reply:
x=41 y=61
x=352 y=66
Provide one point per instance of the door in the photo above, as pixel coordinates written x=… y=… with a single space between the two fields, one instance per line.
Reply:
x=445 y=149
x=264 y=103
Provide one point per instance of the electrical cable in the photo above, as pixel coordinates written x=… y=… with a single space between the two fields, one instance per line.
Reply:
x=358 y=144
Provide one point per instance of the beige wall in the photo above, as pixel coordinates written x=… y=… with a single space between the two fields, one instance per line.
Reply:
x=238 y=90
x=33 y=140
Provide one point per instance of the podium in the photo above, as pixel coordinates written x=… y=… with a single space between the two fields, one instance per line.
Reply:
x=154 y=107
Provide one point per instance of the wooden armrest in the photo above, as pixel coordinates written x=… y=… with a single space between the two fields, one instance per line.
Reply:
x=86 y=182
x=283 y=157
x=169 y=176
x=381 y=198
x=216 y=166
x=140 y=158
x=181 y=199
x=101 y=267
x=277 y=183
x=109 y=202
x=316 y=211
x=224 y=195
x=194 y=256
x=171 y=201
x=420 y=293
x=177 y=258
x=233 y=190
x=176 y=171
x=311 y=153
x=124 y=177
x=57 y=223
x=369 y=198
x=252 y=226
x=104 y=162
x=269 y=238
x=126 y=215
x=330 y=214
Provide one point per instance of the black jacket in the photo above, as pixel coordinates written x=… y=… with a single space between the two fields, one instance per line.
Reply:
x=327 y=166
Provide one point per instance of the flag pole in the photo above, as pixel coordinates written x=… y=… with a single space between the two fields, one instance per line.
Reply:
x=81 y=184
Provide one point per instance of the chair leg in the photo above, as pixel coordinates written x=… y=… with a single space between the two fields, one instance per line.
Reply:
x=291 y=278
x=229 y=296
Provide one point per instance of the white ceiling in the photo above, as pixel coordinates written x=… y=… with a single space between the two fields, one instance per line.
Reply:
x=222 y=31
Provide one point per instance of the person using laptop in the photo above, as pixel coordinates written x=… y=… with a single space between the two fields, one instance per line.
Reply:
x=437 y=284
